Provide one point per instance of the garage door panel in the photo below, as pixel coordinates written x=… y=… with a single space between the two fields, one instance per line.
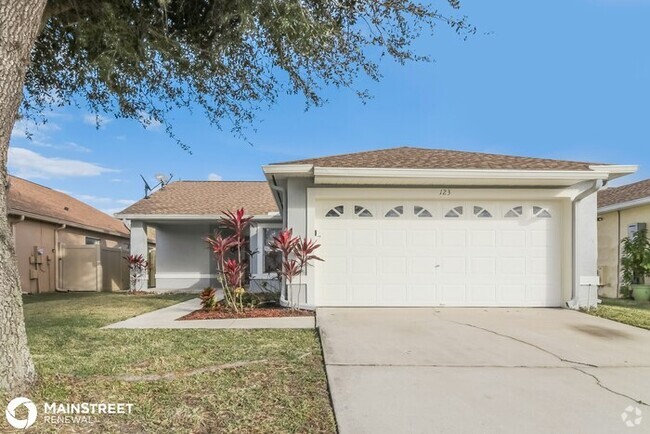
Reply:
x=393 y=294
x=512 y=294
x=453 y=266
x=512 y=258
x=482 y=294
x=422 y=294
x=363 y=238
x=422 y=239
x=393 y=238
x=482 y=266
x=423 y=266
x=511 y=266
x=454 y=238
x=363 y=294
x=393 y=266
x=512 y=238
x=452 y=294
x=363 y=265
x=482 y=238
x=333 y=238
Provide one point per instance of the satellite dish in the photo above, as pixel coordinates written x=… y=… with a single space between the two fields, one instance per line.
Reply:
x=162 y=178
x=162 y=181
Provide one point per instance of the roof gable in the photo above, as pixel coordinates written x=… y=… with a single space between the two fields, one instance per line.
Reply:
x=28 y=197
x=207 y=198
x=424 y=158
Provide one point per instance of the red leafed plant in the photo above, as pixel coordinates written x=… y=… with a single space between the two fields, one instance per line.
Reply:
x=231 y=263
x=297 y=255
x=284 y=242
x=137 y=267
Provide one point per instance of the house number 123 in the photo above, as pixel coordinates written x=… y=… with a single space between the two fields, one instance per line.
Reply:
x=445 y=192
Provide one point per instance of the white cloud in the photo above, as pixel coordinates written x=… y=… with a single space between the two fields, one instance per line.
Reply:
x=29 y=164
x=39 y=135
x=27 y=128
x=126 y=202
x=214 y=177
x=96 y=120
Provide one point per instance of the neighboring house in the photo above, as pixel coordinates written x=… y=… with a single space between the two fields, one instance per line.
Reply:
x=401 y=227
x=621 y=212
x=45 y=222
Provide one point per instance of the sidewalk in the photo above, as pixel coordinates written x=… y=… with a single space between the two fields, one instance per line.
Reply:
x=166 y=318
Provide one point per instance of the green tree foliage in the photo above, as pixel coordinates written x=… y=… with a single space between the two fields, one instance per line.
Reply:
x=140 y=59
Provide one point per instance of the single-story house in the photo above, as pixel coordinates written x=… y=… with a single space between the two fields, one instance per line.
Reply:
x=401 y=227
x=48 y=224
x=621 y=212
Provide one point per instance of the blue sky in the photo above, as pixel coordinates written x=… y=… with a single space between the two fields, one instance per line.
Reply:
x=560 y=79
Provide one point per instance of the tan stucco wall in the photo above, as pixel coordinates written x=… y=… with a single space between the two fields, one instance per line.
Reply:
x=30 y=233
x=610 y=234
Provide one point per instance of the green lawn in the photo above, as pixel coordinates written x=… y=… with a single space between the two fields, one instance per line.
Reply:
x=625 y=311
x=282 y=389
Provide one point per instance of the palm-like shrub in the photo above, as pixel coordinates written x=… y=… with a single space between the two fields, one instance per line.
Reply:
x=230 y=258
x=297 y=255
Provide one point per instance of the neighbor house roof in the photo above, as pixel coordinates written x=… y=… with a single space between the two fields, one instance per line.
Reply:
x=207 y=198
x=626 y=193
x=421 y=158
x=37 y=201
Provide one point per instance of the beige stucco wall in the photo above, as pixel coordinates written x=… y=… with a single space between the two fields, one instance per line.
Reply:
x=610 y=233
x=30 y=233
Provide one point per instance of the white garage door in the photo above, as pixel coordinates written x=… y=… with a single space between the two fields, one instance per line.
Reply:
x=438 y=253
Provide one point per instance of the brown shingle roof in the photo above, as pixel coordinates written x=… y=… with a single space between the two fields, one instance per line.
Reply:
x=625 y=193
x=28 y=197
x=207 y=198
x=423 y=158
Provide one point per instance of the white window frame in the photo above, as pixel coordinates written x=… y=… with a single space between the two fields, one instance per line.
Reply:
x=259 y=257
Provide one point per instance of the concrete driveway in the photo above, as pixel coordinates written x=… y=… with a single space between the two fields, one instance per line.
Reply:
x=484 y=370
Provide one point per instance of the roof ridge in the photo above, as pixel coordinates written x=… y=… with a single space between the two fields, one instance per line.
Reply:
x=208 y=180
x=313 y=160
x=35 y=183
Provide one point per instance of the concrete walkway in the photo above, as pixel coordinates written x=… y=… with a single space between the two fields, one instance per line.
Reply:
x=167 y=317
x=484 y=370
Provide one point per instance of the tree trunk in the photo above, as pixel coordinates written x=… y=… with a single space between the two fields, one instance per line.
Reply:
x=19 y=26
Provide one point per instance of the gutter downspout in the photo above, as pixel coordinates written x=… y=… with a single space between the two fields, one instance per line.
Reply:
x=21 y=219
x=57 y=259
x=282 y=193
x=597 y=185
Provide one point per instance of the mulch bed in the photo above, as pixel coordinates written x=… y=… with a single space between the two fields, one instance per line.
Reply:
x=272 y=311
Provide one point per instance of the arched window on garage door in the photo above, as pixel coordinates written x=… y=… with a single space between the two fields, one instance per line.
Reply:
x=397 y=211
x=337 y=211
x=515 y=212
x=481 y=212
x=541 y=213
x=421 y=211
x=361 y=211
x=454 y=212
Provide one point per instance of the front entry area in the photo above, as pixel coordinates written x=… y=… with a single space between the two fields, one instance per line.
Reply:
x=443 y=252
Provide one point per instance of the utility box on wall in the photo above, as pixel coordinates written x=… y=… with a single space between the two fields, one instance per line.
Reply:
x=634 y=228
